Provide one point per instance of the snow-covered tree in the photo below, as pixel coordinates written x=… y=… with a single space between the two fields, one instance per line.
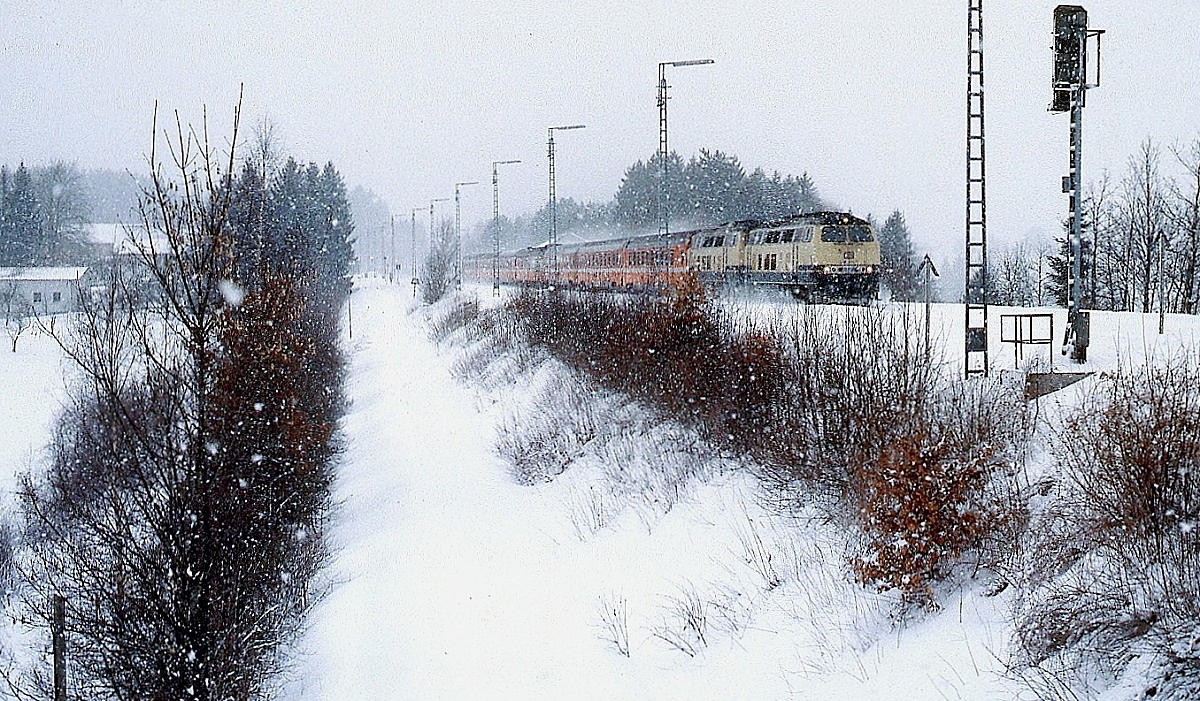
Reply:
x=896 y=254
x=182 y=513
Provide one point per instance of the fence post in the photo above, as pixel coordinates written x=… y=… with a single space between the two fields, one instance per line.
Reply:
x=59 y=645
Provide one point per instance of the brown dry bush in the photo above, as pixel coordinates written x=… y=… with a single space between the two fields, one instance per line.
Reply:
x=1115 y=570
x=920 y=509
x=452 y=316
x=838 y=405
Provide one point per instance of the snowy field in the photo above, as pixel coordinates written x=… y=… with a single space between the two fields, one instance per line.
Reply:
x=453 y=581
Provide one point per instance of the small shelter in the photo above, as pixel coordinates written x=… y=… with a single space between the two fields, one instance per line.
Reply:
x=41 y=290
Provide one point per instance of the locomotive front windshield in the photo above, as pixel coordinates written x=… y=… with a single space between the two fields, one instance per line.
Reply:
x=856 y=233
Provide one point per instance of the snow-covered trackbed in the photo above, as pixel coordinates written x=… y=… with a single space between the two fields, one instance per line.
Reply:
x=455 y=582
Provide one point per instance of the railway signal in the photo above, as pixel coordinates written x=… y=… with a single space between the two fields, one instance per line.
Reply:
x=929 y=271
x=1071 y=35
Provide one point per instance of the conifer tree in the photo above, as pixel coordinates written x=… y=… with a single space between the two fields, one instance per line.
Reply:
x=896 y=253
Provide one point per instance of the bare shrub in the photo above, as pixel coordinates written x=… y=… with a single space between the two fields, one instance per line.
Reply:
x=931 y=495
x=840 y=405
x=684 y=624
x=614 y=621
x=1115 y=573
x=544 y=437
x=453 y=316
x=591 y=510
x=916 y=510
x=762 y=554
x=856 y=380
x=652 y=462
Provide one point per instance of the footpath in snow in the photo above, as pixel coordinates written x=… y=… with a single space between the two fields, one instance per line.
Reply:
x=455 y=582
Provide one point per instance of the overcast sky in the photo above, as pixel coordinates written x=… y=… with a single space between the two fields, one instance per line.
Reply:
x=867 y=96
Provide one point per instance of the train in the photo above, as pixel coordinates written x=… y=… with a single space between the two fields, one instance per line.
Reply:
x=814 y=256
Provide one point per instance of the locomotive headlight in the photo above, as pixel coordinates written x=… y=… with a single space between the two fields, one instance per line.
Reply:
x=827 y=270
x=870 y=269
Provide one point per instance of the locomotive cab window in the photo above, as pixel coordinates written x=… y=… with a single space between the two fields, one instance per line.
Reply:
x=786 y=235
x=860 y=234
x=833 y=234
x=855 y=233
x=771 y=237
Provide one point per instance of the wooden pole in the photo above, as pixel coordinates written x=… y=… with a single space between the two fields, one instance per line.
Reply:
x=59 y=644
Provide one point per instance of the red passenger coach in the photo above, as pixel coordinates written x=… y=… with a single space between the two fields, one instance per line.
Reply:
x=653 y=262
x=657 y=261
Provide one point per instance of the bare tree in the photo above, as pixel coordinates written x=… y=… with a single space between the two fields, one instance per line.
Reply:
x=1014 y=276
x=153 y=530
x=439 y=264
x=1111 y=261
x=18 y=312
x=1185 y=217
x=1145 y=220
x=63 y=204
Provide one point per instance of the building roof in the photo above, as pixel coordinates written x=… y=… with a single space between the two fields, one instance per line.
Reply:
x=69 y=273
x=124 y=239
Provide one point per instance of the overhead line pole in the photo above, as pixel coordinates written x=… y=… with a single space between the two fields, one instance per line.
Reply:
x=663 y=200
x=496 y=225
x=975 y=297
x=458 y=230
x=553 y=239
x=412 y=263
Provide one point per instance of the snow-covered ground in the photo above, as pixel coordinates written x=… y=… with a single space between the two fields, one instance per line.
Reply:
x=459 y=583
x=453 y=581
x=32 y=390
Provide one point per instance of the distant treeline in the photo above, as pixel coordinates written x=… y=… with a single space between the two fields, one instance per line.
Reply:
x=1146 y=233
x=710 y=188
x=45 y=211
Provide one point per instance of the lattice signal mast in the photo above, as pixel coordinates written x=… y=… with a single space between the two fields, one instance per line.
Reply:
x=552 y=241
x=1071 y=36
x=975 y=296
x=664 y=205
x=496 y=224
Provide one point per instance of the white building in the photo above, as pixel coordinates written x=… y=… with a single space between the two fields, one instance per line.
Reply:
x=40 y=290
